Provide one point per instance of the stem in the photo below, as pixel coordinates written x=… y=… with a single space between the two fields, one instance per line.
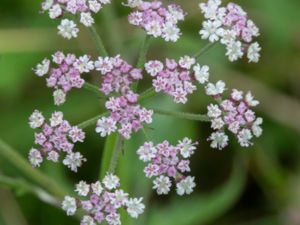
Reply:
x=91 y=121
x=19 y=162
x=183 y=115
x=143 y=52
x=147 y=94
x=98 y=40
x=93 y=88
x=22 y=186
x=115 y=155
x=204 y=50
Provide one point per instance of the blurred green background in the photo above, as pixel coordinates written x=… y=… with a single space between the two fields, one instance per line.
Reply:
x=266 y=191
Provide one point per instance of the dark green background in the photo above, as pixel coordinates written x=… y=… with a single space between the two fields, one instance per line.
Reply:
x=268 y=192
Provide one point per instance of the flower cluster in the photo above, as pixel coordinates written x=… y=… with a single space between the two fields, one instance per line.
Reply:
x=232 y=27
x=102 y=202
x=117 y=74
x=176 y=79
x=84 y=8
x=126 y=116
x=53 y=138
x=65 y=74
x=235 y=114
x=157 y=20
x=168 y=162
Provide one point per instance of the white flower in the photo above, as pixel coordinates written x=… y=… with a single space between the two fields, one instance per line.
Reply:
x=119 y=198
x=135 y=207
x=154 y=67
x=256 y=127
x=42 y=68
x=59 y=97
x=53 y=156
x=228 y=36
x=171 y=32
x=250 y=100
x=201 y=73
x=153 y=28
x=217 y=123
x=69 y=205
x=97 y=188
x=104 y=2
x=94 y=6
x=106 y=126
x=82 y=188
x=186 y=147
x=87 y=220
x=213 y=111
x=47 y=4
x=211 y=30
x=84 y=64
x=244 y=137
x=187 y=62
x=234 y=51
x=210 y=9
x=56 y=119
x=104 y=65
x=86 y=19
x=186 y=186
x=162 y=185
x=147 y=152
x=113 y=219
x=55 y=11
x=253 y=28
x=215 y=89
x=237 y=95
x=68 y=29
x=36 y=119
x=253 y=52
x=74 y=160
x=133 y=3
x=35 y=157
x=175 y=14
x=218 y=140
x=111 y=181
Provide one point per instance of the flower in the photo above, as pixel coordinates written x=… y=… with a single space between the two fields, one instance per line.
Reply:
x=162 y=185
x=82 y=188
x=135 y=207
x=232 y=27
x=68 y=29
x=36 y=119
x=102 y=203
x=42 y=68
x=211 y=30
x=105 y=126
x=156 y=20
x=35 y=157
x=215 y=89
x=201 y=73
x=175 y=79
x=69 y=205
x=86 y=19
x=111 y=181
x=64 y=73
x=166 y=162
x=186 y=186
x=74 y=160
x=235 y=114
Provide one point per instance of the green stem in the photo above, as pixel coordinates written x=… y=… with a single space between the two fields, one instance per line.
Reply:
x=91 y=121
x=143 y=52
x=98 y=40
x=204 y=50
x=19 y=162
x=22 y=186
x=183 y=115
x=115 y=156
x=147 y=94
x=93 y=88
